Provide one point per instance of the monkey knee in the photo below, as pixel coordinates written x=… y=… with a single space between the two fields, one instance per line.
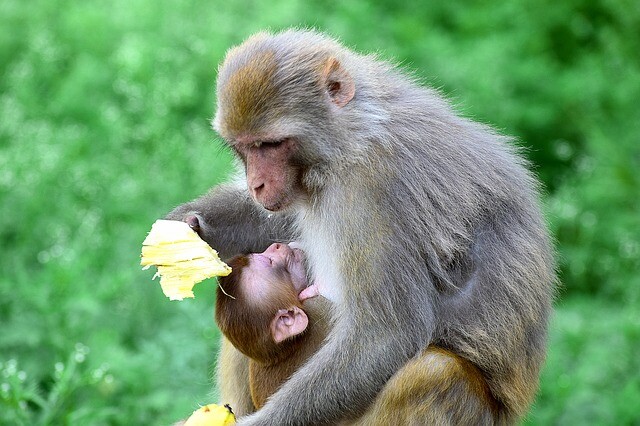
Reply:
x=437 y=387
x=458 y=391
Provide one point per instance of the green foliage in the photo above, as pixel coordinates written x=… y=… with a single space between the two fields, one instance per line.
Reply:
x=105 y=109
x=26 y=404
x=591 y=375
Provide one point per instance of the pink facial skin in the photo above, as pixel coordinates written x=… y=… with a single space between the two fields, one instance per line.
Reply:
x=261 y=266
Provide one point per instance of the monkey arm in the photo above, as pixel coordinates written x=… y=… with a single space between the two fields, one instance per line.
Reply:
x=383 y=316
x=384 y=319
x=231 y=223
x=338 y=382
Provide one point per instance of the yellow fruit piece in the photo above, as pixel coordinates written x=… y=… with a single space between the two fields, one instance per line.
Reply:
x=211 y=415
x=182 y=257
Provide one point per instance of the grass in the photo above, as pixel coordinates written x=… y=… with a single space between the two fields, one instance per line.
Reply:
x=105 y=112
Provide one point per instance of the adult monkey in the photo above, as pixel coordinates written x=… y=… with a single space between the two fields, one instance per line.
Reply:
x=424 y=226
x=268 y=310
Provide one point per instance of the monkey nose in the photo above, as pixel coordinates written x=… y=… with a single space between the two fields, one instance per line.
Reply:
x=257 y=189
x=278 y=249
x=273 y=248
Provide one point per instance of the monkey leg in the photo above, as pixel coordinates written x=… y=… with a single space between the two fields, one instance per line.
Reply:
x=233 y=379
x=434 y=388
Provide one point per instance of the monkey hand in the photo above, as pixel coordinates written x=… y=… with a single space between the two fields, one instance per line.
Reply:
x=309 y=292
x=211 y=415
x=182 y=258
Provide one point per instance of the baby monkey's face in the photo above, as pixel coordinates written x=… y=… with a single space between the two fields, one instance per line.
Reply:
x=258 y=305
x=277 y=260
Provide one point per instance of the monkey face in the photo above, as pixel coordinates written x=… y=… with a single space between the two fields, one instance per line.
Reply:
x=270 y=107
x=270 y=266
x=265 y=308
x=272 y=178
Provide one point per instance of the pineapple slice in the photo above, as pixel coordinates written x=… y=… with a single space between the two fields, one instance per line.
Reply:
x=182 y=258
x=212 y=415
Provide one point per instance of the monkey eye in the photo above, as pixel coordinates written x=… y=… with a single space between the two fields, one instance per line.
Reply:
x=268 y=143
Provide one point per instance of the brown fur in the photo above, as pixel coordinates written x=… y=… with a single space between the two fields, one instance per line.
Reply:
x=233 y=365
x=242 y=319
x=422 y=226
x=265 y=378
x=437 y=387
x=248 y=89
x=246 y=323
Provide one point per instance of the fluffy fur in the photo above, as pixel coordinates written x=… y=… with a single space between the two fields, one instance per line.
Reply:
x=424 y=226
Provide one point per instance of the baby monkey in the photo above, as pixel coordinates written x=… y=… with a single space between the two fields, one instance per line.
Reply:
x=270 y=312
x=267 y=310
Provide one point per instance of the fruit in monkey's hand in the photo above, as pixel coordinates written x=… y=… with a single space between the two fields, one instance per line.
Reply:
x=211 y=415
x=182 y=257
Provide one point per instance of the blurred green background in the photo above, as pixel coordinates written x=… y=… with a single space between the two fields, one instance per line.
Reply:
x=104 y=127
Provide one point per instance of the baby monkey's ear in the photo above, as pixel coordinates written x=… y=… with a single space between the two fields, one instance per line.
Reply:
x=288 y=323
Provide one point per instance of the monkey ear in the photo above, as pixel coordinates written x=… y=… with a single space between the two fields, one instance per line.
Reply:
x=339 y=85
x=288 y=323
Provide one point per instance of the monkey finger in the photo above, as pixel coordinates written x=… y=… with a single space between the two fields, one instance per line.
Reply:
x=309 y=292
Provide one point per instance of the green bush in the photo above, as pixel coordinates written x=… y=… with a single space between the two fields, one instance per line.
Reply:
x=105 y=112
x=591 y=374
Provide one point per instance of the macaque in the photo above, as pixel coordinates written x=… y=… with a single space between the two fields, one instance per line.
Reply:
x=424 y=226
x=269 y=312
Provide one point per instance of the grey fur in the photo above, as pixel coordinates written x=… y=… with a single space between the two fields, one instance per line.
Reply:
x=239 y=225
x=431 y=221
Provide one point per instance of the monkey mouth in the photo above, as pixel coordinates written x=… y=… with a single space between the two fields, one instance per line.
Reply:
x=271 y=208
x=270 y=204
x=297 y=268
x=296 y=264
x=275 y=204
